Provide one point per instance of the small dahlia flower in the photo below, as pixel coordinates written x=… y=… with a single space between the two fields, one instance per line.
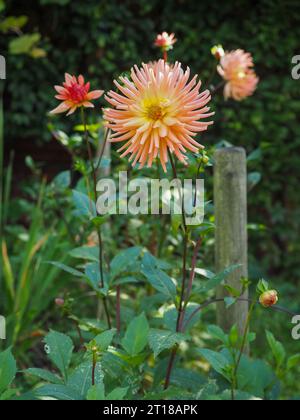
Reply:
x=75 y=93
x=157 y=111
x=236 y=68
x=218 y=51
x=165 y=41
x=269 y=298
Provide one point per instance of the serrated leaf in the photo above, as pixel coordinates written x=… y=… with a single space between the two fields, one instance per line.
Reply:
x=160 y=340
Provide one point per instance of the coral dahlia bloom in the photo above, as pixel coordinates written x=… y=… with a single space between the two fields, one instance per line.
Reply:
x=236 y=69
x=165 y=41
x=75 y=93
x=157 y=111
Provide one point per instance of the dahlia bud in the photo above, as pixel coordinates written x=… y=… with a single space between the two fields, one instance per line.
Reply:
x=165 y=41
x=59 y=302
x=218 y=51
x=205 y=159
x=268 y=298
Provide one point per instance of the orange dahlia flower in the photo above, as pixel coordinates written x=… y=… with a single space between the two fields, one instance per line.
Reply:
x=157 y=111
x=75 y=93
x=236 y=68
x=165 y=41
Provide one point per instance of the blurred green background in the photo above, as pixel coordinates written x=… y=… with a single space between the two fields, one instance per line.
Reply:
x=42 y=39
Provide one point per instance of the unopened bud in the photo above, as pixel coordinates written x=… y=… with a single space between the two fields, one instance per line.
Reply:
x=268 y=298
x=59 y=302
x=218 y=51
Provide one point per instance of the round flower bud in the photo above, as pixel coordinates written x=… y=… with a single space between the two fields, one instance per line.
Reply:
x=218 y=52
x=269 y=298
x=59 y=302
x=205 y=160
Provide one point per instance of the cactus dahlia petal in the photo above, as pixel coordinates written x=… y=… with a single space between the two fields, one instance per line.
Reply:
x=157 y=111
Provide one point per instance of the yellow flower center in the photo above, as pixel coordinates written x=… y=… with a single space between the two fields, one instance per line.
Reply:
x=241 y=74
x=154 y=112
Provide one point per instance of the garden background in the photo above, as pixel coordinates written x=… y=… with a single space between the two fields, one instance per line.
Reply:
x=101 y=39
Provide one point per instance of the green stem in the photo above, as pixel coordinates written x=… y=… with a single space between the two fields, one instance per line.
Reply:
x=181 y=308
x=99 y=231
x=1 y=156
x=244 y=341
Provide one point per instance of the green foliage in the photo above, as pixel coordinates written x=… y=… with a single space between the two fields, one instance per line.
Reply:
x=120 y=34
x=136 y=337
x=8 y=370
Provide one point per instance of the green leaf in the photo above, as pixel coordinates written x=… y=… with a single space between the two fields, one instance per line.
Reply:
x=67 y=269
x=100 y=220
x=45 y=375
x=229 y=301
x=217 y=333
x=86 y=253
x=262 y=287
x=104 y=340
x=205 y=273
x=96 y=393
x=158 y=279
x=160 y=340
x=277 y=349
x=92 y=272
x=24 y=43
x=171 y=316
x=80 y=380
x=59 y=348
x=117 y=394
x=8 y=369
x=254 y=178
x=12 y=22
x=217 y=360
x=136 y=337
x=59 y=392
x=8 y=394
x=186 y=379
x=293 y=361
x=122 y=262
x=215 y=281
x=84 y=205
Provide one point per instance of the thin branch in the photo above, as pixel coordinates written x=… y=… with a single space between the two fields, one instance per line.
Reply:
x=212 y=301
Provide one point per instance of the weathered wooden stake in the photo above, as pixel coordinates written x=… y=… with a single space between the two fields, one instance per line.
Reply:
x=230 y=196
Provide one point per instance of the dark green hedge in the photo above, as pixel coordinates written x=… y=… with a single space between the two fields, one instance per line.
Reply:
x=103 y=38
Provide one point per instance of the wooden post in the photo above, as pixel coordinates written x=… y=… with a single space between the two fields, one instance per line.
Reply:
x=230 y=196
